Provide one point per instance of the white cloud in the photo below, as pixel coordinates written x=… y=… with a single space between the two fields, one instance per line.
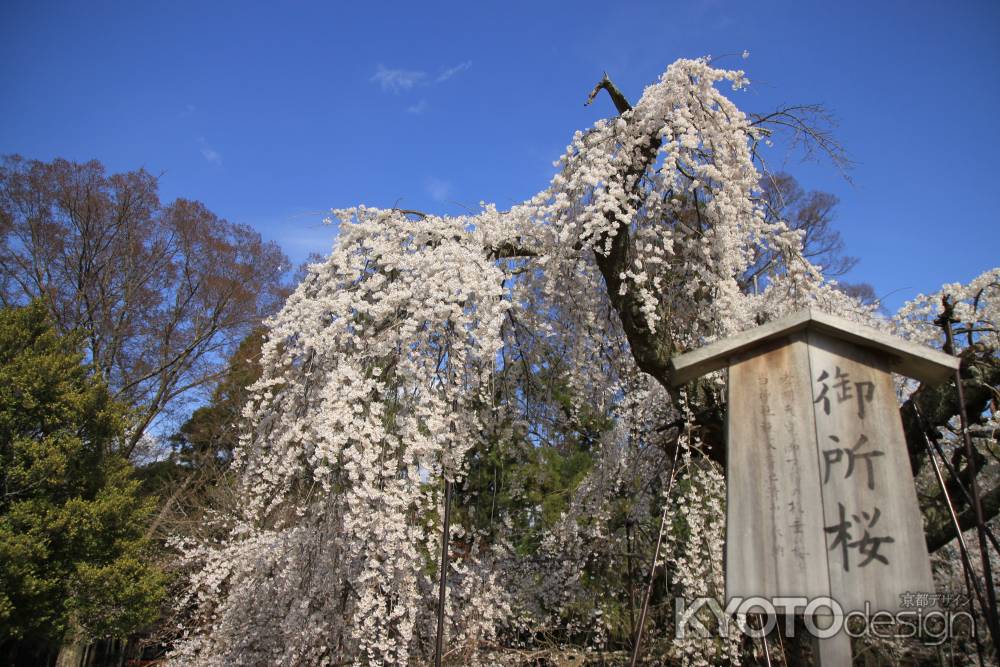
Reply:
x=209 y=153
x=397 y=80
x=417 y=108
x=212 y=155
x=438 y=190
x=452 y=71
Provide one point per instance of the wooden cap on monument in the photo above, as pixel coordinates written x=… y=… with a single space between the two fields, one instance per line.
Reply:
x=906 y=358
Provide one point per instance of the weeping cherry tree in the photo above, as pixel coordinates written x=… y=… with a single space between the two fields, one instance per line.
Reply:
x=426 y=348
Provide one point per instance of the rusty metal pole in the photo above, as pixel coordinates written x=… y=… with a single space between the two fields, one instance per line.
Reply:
x=990 y=611
x=443 y=578
x=970 y=579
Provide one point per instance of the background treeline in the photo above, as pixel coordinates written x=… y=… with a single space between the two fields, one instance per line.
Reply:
x=128 y=332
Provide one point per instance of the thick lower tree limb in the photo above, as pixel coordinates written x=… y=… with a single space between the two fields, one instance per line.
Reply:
x=652 y=350
x=930 y=409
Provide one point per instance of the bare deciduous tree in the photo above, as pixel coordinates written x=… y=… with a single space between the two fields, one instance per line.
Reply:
x=162 y=292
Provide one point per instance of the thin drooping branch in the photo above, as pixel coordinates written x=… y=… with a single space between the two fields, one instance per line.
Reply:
x=811 y=128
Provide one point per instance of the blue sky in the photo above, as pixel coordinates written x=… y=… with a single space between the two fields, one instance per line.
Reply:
x=272 y=113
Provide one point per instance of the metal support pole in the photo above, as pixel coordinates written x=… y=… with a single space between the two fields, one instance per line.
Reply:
x=763 y=640
x=971 y=583
x=637 y=644
x=443 y=578
x=990 y=610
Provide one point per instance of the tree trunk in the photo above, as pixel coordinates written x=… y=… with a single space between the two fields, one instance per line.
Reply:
x=71 y=653
x=73 y=650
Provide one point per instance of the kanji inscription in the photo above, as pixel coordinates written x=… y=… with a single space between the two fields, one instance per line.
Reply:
x=872 y=524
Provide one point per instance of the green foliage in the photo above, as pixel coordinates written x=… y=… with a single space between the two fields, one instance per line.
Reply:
x=528 y=482
x=210 y=434
x=72 y=545
x=529 y=471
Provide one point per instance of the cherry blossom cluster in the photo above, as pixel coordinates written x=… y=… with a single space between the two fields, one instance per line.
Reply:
x=977 y=310
x=677 y=173
x=374 y=375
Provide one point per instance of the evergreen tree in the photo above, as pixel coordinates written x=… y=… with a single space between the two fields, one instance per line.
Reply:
x=73 y=553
